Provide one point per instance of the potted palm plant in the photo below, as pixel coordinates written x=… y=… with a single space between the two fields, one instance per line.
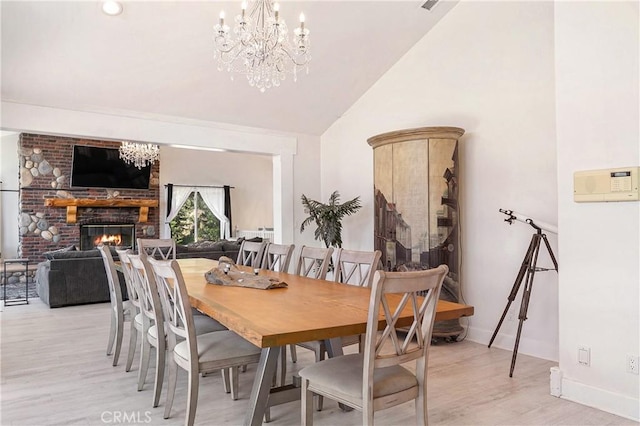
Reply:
x=328 y=217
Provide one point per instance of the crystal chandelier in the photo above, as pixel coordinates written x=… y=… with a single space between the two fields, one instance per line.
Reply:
x=140 y=154
x=261 y=49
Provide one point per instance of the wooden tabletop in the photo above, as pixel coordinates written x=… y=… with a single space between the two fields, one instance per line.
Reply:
x=306 y=310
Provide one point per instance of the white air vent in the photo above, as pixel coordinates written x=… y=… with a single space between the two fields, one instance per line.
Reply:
x=429 y=4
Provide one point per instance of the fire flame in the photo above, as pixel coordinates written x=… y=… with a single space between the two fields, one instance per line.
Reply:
x=108 y=239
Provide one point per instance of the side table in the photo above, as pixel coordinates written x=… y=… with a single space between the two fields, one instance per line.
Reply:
x=18 y=300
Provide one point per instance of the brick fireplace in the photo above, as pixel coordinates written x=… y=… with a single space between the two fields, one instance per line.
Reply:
x=46 y=225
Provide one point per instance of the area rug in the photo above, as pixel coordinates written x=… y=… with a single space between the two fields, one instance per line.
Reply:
x=16 y=290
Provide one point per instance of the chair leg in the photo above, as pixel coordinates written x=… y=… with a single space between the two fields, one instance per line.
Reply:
x=112 y=334
x=320 y=398
x=294 y=355
x=161 y=354
x=306 y=404
x=233 y=372
x=283 y=365
x=421 y=410
x=225 y=380
x=367 y=417
x=145 y=354
x=171 y=388
x=119 y=336
x=133 y=339
x=192 y=397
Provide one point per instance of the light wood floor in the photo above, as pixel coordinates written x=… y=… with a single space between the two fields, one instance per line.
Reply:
x=55 y=372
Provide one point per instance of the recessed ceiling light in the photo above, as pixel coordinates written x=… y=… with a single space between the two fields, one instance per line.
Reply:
x=112 y=8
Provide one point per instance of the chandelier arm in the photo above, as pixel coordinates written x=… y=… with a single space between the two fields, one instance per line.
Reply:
x=293 y=59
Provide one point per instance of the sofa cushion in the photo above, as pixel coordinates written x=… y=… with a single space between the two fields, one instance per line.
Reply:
x=50 y=254
x=74 y=254
x=230 y=245
x=81 y=254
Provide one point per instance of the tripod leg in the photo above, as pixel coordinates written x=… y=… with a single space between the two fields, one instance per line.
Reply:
x=553 y=258
x=516 y=286
x=526 y=296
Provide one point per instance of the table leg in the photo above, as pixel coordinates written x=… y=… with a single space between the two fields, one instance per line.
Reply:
x=262 y=385
x=334 y=347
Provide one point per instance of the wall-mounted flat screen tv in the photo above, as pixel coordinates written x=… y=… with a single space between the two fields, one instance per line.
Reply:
x=95 y=167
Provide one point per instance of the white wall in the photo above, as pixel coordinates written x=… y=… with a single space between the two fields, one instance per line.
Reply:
x=250 y=176
x=486 y=67
x=597 y=48
x=9 y=204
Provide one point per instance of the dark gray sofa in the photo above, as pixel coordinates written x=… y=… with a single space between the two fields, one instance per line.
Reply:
x=210 y=249
x=74 y=278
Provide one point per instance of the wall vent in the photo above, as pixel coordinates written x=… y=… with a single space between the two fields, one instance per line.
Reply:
x=429 y=4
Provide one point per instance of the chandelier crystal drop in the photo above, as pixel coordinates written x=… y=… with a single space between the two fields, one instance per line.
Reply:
x=140 y=154
x=259 y=47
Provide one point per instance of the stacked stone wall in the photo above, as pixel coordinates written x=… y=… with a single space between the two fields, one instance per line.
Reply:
x=45 y=171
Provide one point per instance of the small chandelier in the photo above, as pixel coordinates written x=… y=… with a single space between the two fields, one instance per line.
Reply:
x=140 y=154
x=261 y=49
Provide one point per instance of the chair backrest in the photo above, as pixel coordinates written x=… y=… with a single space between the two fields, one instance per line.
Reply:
x=149 y=298
x=356 y=267
x=313 y=262
x=132 y=287
x=251 y=253
x=175 y=304
x=401 y=289
x=115 y=292
x=277 y=257
x=164 y=249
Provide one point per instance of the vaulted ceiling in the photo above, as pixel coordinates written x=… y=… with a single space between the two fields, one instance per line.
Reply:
x=156 y=59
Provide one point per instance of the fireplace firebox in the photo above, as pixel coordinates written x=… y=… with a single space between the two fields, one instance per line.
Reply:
x=120 y=235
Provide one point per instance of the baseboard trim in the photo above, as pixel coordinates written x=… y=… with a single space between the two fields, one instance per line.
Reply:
x=611 y=402
x=532 y=347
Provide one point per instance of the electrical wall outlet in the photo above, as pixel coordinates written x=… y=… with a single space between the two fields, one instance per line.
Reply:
x=632 y=364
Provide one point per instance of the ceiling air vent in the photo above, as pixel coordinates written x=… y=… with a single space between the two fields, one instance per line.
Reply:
x=429 y=4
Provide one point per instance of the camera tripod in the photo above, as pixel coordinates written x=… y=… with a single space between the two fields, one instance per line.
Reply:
x=527 y=273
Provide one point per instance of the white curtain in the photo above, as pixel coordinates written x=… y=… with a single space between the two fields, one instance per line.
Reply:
x=214 y=199
x=179 y=197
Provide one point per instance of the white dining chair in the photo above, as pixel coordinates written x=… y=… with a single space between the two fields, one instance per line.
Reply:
x=277 y=257
x=196 y=353
x=133 y=294
x=375 y=379
x=313 y=262
x=158 y=248
x=251 y=253
x=151 y=315
x=154 y=336
x=121 y=311
x=355 y=268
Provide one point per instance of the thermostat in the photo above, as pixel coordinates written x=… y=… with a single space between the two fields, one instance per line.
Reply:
x=606 y=185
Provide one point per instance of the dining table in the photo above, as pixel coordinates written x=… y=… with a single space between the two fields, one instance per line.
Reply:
x=306 y=309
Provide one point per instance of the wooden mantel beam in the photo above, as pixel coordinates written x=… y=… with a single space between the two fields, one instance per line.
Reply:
x=72 y=205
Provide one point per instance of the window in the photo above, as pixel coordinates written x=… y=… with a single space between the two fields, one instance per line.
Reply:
x=194 y=222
